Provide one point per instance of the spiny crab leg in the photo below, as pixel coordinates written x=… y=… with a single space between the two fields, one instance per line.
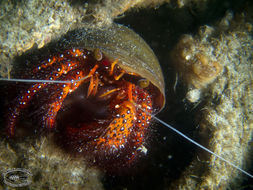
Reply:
x=26 y=97
x=73 y=53
x=120 y=126
x=49 y=117
x=128 y=121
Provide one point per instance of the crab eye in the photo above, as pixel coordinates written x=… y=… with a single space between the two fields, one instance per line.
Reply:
x=143 y=83
x=98 y=55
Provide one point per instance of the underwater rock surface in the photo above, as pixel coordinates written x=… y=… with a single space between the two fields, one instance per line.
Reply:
x=226 y=117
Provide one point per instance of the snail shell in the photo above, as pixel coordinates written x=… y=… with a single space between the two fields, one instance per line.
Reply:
x=122 y=43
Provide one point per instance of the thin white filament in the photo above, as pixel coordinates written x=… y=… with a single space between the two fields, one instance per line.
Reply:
x=153 y=116
x=197 y=144
x=200 y=146
x=43 y=81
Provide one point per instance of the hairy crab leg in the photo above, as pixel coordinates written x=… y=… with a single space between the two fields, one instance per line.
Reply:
x=49 y=117
x=120 y=126
x=50 y=62
x=23 y=101
x=128 y=121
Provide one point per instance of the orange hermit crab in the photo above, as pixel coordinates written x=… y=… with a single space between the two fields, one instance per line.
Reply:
x=99 y=89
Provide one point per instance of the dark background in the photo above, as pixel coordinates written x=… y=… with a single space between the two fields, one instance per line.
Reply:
x=161 y=28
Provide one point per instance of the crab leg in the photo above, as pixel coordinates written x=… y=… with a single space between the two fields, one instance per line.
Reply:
x=112 y=66
x=120 y=128
x=93 y=84
x=49 y=117
x=128 y=122
x=26 y=97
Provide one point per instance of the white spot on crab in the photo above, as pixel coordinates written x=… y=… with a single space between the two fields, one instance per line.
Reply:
x=142 y=149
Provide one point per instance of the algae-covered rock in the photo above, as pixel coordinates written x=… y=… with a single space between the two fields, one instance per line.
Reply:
x=226 y=117
x=50 y=167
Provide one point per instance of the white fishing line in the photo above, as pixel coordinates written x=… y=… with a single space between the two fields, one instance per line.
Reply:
x=197 y=144
x=153 y=116
x=43 y=81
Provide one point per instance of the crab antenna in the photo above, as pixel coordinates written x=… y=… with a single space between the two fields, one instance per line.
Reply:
x=42 y=81
x=197 y=144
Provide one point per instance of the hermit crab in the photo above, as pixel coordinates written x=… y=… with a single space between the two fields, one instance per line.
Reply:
x=97 y=89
